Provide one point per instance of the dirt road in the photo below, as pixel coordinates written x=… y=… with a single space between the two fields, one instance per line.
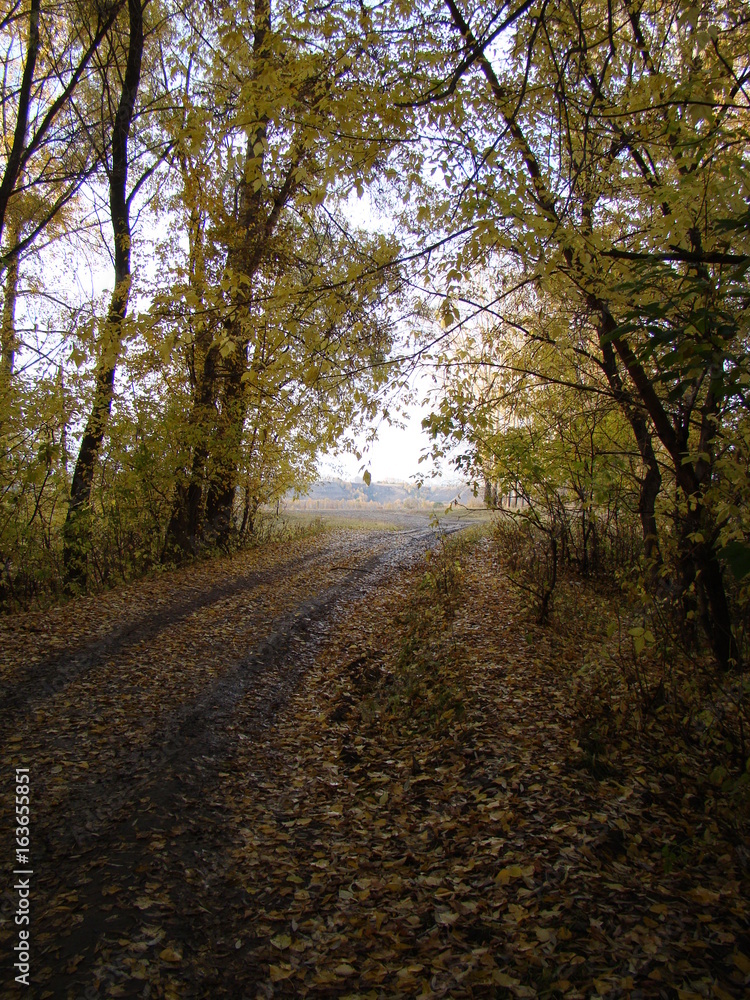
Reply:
x=325 y=769
x=123 y=707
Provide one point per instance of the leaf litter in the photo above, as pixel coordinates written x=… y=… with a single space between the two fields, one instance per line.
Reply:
x=420 y=819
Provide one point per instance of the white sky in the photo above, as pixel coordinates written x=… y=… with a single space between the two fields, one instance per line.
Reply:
x=395 y=455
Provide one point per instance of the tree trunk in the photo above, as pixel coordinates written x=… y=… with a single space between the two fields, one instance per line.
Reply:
x=715 y=611
x=10 y=296
x=185 y=526
x=257 y=218
x=223 y=482
x=256 y=226
x=14 y=165
x=650 y=485
x=487 y=497
x=692 y=475
x=252 y=503
x=77 y=531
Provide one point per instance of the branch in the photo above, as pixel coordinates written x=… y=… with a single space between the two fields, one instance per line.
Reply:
x=13 y=166
x=544 y=196
x=684 y=256
x=467 y=62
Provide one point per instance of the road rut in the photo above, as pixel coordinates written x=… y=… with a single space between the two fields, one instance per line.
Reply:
x=123 y=733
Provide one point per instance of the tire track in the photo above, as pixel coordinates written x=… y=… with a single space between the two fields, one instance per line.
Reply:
x=30 y=688
x=113 y=822
x=199 y=727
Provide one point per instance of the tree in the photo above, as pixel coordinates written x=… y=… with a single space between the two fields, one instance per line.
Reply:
x=276 y=163
x=47 y=59
x=602 y=147
x=76 y=529
x=535 y=416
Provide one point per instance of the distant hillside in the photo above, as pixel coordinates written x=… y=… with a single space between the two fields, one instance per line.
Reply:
x=338 y=493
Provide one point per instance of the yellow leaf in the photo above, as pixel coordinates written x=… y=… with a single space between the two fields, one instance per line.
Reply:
x=170 y=955
x=279 y=972
x=409 y=970
x=742 y=962
x=702 y=895
x=281 y=941
x=376 y=975
x=502 y=979
x=506 y=874
x=344 y=969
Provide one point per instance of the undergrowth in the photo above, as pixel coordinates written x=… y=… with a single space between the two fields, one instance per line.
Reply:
x=120 y=558
x=638 y=677
x=423 y=688
x=637 y=686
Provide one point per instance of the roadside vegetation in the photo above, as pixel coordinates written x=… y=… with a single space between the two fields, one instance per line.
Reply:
x=468 y=803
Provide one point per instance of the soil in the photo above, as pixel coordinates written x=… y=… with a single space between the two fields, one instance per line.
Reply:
x=334 y=768
x=124 y=707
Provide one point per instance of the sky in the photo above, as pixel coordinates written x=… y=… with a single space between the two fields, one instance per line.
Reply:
x=395 y=454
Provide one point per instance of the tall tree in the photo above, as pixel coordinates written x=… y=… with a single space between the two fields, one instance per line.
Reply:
x=281 y=161
x=47 y=57
x=110 y=343
x=601 y=146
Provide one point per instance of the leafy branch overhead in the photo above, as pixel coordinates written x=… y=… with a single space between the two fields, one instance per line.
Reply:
x=559 y=233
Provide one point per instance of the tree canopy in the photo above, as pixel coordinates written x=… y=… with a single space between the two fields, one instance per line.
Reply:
x=191 y=313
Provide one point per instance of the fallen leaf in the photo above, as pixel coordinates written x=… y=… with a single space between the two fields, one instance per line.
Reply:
x=279 y=972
